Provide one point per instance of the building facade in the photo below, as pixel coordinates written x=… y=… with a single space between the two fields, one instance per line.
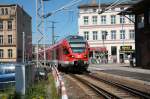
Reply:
x=110 y=36
x=13 y=22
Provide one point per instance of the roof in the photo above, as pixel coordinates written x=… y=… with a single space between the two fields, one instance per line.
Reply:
x=21 y=7
x=7 y=5
x=103 y=5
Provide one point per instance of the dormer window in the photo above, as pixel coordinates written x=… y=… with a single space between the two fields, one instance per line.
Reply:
x=94 y=10
x=122 y=8
x=85 y=10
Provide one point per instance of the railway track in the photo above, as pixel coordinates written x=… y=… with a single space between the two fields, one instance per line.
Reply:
x=109 y=89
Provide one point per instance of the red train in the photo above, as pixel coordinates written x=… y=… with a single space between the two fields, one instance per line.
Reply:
x=71 y=53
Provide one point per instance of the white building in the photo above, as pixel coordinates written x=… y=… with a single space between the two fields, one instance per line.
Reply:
x=110 y=36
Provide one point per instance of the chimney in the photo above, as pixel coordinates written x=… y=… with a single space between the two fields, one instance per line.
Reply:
x=93 y=2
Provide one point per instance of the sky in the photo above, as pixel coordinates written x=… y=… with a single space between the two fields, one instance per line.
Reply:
x=66 y=20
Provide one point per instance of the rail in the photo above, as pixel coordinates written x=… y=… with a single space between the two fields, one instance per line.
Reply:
x=109 y=89
x=96 y=89
x=131 y=90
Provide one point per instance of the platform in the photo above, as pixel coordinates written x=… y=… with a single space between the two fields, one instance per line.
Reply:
x=123 y=70
x=132 y=77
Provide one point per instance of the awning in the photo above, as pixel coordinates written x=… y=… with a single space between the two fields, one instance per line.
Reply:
x=101 y=49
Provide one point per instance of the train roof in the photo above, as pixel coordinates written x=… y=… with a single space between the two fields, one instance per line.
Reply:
x=75 y=38
x=70 y=38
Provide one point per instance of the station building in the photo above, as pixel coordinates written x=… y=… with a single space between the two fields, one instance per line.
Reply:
x=142 y=32
x=111 y=37
x=13 y=22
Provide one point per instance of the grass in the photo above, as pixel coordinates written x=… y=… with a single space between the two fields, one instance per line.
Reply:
x=54 y=94
x=7 y=93
x=44 y=89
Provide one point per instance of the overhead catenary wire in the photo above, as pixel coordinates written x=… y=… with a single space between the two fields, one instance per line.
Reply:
x=116 y=3
x=113 y=4
x=72 y=3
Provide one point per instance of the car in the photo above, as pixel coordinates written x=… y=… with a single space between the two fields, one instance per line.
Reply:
x=41 y=74
x=7 y=75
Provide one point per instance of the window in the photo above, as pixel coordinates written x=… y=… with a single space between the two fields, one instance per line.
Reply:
x=86 y=35
x=94 y=19
x=10 y=53
x=77 y=47
x=94 y=35
x=2 y=10
x=131 y=17
x=9 y=39
x=122 y=8
x=104 y=35
x=86 y=20
x=112 y=9
x=113 y=34
x=122 y=34
x=103 y=19
x=113 y=19
x=122 y=19
x=65 y=50
x=85 y=10
x=1 y=39
x=9 y=25
x=131 y=34
x=1 y=53
x=6 y=11
x=94 y=10
x=1 y=25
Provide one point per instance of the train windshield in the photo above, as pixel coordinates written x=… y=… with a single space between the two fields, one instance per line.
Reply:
x=77 y=47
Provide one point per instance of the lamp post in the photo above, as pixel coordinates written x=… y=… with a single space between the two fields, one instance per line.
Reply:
x=23 y=46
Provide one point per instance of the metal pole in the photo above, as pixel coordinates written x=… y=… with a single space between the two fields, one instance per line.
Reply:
x=37 y=56
x=44 y=45
x=123 y=34
x=53 y=34
x=23 y=45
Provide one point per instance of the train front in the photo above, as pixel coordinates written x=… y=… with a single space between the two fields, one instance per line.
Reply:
x=79 y=52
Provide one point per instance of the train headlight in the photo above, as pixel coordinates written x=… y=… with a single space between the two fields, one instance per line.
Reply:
x=85 y=56
x=72 y=56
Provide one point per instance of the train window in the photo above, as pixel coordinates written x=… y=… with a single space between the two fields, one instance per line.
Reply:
x=77 y=44
x=78 y=49
x=65 y=51
x=75 y=38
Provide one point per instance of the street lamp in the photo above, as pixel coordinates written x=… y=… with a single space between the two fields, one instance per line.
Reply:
x=23 y=46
